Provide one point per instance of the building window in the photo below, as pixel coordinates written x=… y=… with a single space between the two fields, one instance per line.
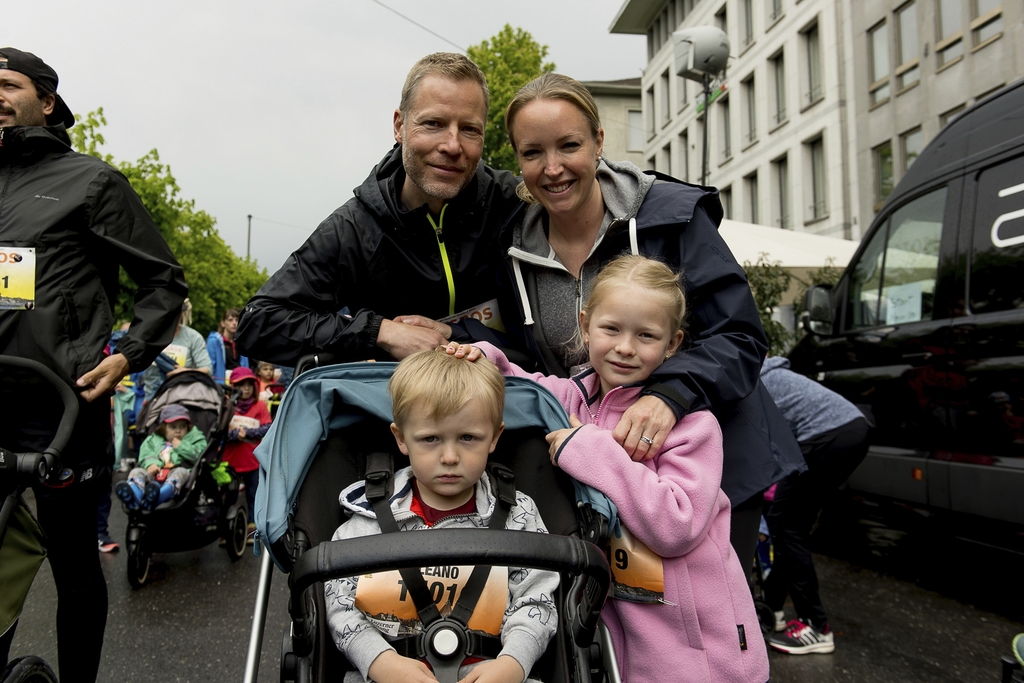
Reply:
x=681 y=92
x=748 y=21
x=723 y=106
x=948 y=116
x=657 y=35
x=987 y=21
x=777 y=65
x=816 y=152
x=774 y=10
x=780 y=173
x=651 y=126
x=883 y=173
x=753 y=200
x=681 y=9
x=950 y=24
x=651 y=164
x=722 y=20
x=750 y=106
x=908 y=73
x=670 y=13
x=650 y=43
x=911 y=144
x=812 y=53
x=684 y=156
x=726 y=196
x=635 y=133
x=878 y=51
x=666 y=154
x=666 y=100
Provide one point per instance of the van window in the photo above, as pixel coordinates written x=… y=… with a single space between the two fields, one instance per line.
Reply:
x=894 y=280
x=998 y=249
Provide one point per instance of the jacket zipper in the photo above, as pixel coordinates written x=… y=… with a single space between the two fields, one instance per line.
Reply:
x=444 y=257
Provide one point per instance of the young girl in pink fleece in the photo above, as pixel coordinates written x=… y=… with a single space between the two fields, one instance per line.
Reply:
x=681 y=607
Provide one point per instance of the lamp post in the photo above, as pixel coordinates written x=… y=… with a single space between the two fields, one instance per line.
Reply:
x=700 y=53
x=248 y=239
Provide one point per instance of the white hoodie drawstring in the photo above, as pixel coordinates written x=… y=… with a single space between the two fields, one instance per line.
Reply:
x=527 y=312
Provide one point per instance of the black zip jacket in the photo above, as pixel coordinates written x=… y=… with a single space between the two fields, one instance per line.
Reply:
x=372 y=259
x=724 y=344
x=84 y=220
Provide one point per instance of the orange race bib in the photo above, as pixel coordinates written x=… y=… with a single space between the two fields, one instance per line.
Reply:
x=638 y=574
x=386 y=602
x=487 y=313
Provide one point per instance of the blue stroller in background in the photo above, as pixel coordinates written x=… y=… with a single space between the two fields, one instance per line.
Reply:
x=330 y=420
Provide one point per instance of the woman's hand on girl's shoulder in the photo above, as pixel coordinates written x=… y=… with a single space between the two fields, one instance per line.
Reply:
x=556 y=438
x=467 y=351
x=644 y=427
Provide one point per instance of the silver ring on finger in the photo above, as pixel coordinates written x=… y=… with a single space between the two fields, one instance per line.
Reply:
x=647 y=440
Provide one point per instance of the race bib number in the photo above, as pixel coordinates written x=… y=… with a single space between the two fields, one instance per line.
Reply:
x=243 y=422
x=637 y=571
x=177 y=353
x=487 y=313
x=386 y=602
x=17 y=278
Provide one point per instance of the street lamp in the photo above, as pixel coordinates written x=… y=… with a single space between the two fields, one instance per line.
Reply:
x=248 y=239
x=700 y=54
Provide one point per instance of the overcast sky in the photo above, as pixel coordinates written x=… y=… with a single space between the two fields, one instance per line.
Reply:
x=279 y=109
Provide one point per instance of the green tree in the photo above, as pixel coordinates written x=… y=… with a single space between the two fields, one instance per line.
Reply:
x=509 y=60
x=217 y=278
x=768 y=282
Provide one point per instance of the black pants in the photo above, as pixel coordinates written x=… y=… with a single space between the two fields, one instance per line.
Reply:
x=831 y=458
x=743 y=526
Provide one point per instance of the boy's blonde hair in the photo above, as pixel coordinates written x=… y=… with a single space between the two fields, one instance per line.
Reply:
x=648 y=273
x=442 y=384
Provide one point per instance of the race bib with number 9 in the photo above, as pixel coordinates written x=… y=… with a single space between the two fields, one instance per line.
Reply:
x=17 y=278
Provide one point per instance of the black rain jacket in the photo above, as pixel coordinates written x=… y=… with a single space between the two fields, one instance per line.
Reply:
x=373 y=259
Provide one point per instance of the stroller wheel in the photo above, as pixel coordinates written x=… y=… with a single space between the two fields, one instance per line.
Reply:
x=765 y=616
x=138 y=565
x=28 y=670
x=236 y=535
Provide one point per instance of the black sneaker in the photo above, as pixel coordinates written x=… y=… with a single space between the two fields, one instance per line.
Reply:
x=801 y=638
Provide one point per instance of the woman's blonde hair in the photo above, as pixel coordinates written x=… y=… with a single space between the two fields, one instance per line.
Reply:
x=441 y=384
x=656 y=277
x=551 y=87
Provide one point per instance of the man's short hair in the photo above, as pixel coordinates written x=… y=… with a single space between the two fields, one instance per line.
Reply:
x=442 y=384
x=450 y=65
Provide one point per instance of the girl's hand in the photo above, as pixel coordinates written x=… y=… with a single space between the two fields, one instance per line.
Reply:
x=557 y=438
x=175 y=442
x=650 y=418
x=467 y=351
x=152 y=470
x=241 y=433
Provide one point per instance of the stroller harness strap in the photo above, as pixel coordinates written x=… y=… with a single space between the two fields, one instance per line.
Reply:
x=379 y=478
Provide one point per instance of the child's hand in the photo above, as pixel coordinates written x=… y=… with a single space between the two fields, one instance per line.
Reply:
x=175 y=442
x=241 y=433
x=504 y=669
x=391 y=667
x=152 y=470
x=467 y=351
x=557 y=438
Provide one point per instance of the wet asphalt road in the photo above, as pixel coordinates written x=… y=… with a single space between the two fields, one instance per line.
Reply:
x=905 y=607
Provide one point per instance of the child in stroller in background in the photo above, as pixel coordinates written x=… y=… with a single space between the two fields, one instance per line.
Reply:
x=164 y=461
x=447 y=420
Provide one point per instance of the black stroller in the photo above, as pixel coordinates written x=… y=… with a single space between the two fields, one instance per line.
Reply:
x=331 y=422
x=205 y=510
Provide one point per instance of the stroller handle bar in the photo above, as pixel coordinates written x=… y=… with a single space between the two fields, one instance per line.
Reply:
x=564 y=554
x=47 y=462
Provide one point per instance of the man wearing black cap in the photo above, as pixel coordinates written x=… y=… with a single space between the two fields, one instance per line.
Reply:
x=68 y=221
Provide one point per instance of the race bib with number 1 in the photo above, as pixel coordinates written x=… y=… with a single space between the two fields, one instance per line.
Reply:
x=17 y=278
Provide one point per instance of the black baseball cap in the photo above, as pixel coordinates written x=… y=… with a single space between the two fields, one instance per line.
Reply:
x=42 y=75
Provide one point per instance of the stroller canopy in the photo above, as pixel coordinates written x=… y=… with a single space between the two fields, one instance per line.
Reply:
x=338 y=396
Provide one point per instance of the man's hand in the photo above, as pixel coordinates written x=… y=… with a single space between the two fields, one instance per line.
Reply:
x=504 y=669
x=102 y=378
x=401 y=339
x=648 y=418
x=391 y=667
x=556 y=438
x=467 y=351
x=420 y=321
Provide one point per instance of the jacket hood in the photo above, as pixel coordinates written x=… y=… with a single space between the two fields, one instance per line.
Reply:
x=353 y=497
x=20 y=141
x=774 y=362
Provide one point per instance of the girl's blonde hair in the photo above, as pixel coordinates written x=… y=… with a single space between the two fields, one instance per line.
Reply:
x=656 y=277
x=443 y=384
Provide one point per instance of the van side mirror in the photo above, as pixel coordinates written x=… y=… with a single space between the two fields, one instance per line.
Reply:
x=818 y=304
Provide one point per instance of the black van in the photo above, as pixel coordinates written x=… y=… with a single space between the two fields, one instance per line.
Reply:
x=925 y=330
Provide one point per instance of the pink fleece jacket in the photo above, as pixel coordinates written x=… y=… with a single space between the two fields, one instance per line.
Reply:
x=675 y=505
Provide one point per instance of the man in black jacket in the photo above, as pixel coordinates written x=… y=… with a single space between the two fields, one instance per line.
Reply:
x=68 y=221
x=418 y=237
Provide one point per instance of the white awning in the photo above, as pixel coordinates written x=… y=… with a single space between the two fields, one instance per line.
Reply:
x=794 y=249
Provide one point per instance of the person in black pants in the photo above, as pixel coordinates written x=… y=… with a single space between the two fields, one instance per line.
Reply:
x=70 y=222
x=832 y=433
